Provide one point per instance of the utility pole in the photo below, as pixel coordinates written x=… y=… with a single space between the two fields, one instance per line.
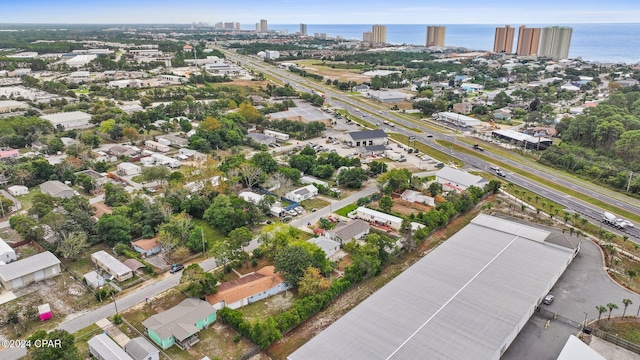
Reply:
x=629 y=183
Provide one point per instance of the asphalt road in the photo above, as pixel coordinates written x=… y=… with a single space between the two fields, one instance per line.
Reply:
x=589 y=211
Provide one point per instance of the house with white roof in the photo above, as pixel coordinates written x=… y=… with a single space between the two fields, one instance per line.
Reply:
x=330 y=247
x=111 y=265
x=251 y=197
x=453 y=179
x=303 y=193
x=377 y=217
x=70 y=120
x=34 y=268
x=7 y=254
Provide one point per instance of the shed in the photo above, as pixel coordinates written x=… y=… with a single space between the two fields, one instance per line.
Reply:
x=93 y=279
x=7 y=254
x=133 y=264
x=103 y=348
x=44 y=311
x=141 y=349
x=111 y=265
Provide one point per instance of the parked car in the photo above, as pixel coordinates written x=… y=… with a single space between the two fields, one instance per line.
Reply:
x=299 y=210
x=175 y=268
x=548 y=299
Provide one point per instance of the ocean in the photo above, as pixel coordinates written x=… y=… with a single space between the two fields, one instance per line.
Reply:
x=618 y=43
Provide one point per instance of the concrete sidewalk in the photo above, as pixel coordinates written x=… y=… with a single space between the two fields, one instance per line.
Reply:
x=116 y=334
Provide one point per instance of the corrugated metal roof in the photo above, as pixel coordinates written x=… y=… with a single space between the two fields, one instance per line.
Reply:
x=467 y=299
x=460 y=176
x=367 y=134
x=107 y=348
x=112 y=263
x=28 y=265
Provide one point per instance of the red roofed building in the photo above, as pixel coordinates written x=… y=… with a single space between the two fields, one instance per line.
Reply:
x=187 y=48
x=248 y=289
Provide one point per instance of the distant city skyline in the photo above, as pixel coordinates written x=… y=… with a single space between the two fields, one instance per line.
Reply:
x=323 y=12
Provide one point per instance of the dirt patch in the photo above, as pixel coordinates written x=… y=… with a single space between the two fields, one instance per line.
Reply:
x=102 y=209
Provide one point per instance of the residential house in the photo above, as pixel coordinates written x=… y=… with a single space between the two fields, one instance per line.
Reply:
x=58 y=189
x=7 y=254
x=111 y=265
x=99 y=180
x=351 y=230
x=175 y=141
x=180 y=324
x=128 y=169
x=147 y=247
x=303 y=193
x=360 y=88
x=18 y=190
x=9 y=154
x=140 y=348
x=261 y=138
x=122 y=150
x=313 y=180
x=251 y=197
x=330 y=247
x=103 y=348
x=368 y=138
x=458 y=180
x=184 y=154
x=379 y=218
x=248 y=289
x=156 y=146
x=34 y=268
x=163 y=160
x=417 y=197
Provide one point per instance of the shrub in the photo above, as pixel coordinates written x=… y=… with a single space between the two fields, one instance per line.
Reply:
x=117 y=319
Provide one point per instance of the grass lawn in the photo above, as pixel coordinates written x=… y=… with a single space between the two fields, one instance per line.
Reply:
x=544 y=181
x=27 y=200
x=83 y=336
x=346 y=210
x=273 y=305
x=212 y=235
x=314 y=203
x=424 y=148
x=628 y=329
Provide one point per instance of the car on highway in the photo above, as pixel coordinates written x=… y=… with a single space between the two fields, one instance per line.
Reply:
x=379 y=111
x=494 y=168
x=548 y=299
x=175 y=268
x=429 y=135
x=501 y=174
x=627 y=223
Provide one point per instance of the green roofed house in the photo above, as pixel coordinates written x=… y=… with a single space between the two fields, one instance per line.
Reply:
x=180 y=324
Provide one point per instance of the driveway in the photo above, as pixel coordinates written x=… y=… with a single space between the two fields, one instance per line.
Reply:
x=582 y=287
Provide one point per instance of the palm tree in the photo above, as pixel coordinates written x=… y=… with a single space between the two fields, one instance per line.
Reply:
x=601 y=310
x=576 y=217
x=625 y=238
x=626 y=303
x=636 y=246
x=566 y=217
x=536 y=199
x=611 y=307
x=631 y=273
x=583 y=222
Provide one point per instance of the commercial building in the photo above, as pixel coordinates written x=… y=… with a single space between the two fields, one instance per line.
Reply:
x=58 y=189
x=555 y=42
x=524 y=140
x=435 y=35
x=467 y=299
x=378 y=218
x=34 y=268
x=528 y=41
x=277 y=135
x=379 y=34
x=271 y=54
x=7 y=106
x=388 y=96
x=111 y=265
x=457 y=119
x=303 y=29
x=503 y=41
x=368 y=138
x=81 y=60
x=70 y=120
x=181 y=324
x=103 y=348
x=457 y=180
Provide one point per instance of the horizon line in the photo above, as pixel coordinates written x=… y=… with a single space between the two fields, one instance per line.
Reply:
x=378 y=23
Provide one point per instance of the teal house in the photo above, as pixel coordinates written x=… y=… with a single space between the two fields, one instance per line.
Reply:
x=180 y=324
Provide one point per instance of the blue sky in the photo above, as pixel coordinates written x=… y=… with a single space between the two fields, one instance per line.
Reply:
x=321 y=11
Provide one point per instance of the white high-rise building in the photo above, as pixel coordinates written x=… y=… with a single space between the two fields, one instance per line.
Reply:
x=303 y=29
x=555 y=42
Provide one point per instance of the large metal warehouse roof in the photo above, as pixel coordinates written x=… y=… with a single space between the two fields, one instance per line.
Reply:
x=467 y=299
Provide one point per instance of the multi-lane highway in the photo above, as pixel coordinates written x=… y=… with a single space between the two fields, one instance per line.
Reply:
x=373 y=115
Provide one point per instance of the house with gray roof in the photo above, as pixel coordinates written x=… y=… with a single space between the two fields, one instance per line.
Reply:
x=180 y=324
x=330 y=247
x=103 y=348
x=352 y=230
x=58 y=189
x=141 y=349
x=303 y=193
x=111 y=265
x=34 y=268
x=444 y=306
x=368 y=138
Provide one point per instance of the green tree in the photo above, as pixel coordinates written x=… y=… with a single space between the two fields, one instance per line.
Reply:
x=196 y=282
x=113 y=229
x=611 y=307
x=72 y=244
x=156 y=173
x=298 y=256
x=377 y=168
x=66 y=348
x=265 y=161
x=266 y=332
x=385 y=203
x=626 y=303
x=352 y=178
